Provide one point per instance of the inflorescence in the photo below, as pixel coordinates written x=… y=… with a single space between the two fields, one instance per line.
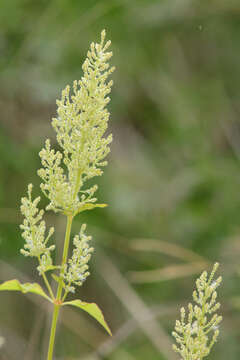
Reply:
x=80 y=126
x=197 y=331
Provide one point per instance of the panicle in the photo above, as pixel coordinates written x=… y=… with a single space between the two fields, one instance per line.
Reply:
x=34 y=229
x=196 y=337
x=80 y=125
x=77 y=270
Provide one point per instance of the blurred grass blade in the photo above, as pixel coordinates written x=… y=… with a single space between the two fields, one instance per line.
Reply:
x=170 y=272
x=136 y=307
x=15 y=285
x=166 y=248
x=235 y=302
x=93 y=310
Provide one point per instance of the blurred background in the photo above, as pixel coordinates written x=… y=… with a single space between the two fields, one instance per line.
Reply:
x=173 y=178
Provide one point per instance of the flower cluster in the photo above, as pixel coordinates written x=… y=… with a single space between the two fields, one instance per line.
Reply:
x=77 y=270
x=80 y=127
x=34 y=228
x=197 y=332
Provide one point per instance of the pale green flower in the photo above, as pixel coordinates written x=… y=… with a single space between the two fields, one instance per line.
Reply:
x=34 y=228
x=80 y=127
x=197 y=332
x=77 y=270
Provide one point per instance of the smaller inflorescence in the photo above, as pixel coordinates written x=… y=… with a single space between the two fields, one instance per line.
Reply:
x=197 y=331
x=77 y=270
x=34 y=231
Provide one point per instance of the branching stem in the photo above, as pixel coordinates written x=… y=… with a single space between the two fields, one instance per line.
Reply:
x=58 y=301
x=48 y=286
x=47 y=282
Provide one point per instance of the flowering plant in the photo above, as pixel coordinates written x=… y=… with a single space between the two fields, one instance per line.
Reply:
x=80 y=126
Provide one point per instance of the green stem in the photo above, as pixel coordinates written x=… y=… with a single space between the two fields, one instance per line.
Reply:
x=46 y=282
x=53 y=331
x=58 y=300
x=64 y=296
x=48 y=286
x=77 y=183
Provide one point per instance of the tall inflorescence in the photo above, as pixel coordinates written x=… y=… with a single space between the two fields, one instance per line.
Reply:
x=197 y=331
x=80 y=126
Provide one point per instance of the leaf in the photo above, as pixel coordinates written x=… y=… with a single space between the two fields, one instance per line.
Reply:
x=15 y=285
x=93 y=310
x=89 y=206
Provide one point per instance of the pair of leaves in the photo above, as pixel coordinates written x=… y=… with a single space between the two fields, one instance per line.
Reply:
x=91 y=308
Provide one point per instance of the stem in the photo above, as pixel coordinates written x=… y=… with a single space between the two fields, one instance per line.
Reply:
x=46 y=282
x=65 y=255
x=53 y=331
x=77 y=183
x=64 y=296
x=58 y=301
x=48 y=286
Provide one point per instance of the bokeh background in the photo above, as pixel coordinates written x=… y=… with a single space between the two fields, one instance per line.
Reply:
x=173 y=180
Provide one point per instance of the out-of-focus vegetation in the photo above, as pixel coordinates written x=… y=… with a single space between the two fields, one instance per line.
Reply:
x=173 y=178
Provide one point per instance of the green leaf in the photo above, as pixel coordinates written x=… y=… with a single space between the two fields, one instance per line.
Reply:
x=89 y=206
x=93 y=310
x=15 y=285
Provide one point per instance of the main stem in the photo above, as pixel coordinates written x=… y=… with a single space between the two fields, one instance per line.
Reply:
x=57 y=302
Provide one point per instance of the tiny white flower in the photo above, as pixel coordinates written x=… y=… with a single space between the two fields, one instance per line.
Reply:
x=194 y=327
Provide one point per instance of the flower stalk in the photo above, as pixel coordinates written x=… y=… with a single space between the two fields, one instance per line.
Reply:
x=58 y=300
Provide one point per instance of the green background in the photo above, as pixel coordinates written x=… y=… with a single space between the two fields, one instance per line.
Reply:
x=173 y=179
